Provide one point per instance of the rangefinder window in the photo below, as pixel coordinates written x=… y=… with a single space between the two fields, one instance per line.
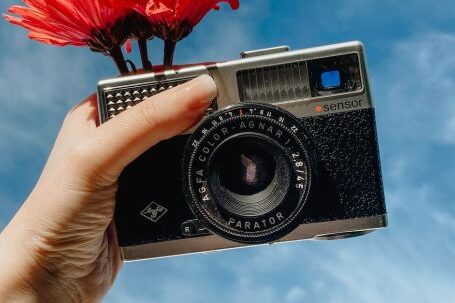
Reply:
x=332 y=75
x=272 y=84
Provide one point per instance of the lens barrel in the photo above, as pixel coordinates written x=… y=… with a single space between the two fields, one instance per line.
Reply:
x=248 y=171
x=249 y=174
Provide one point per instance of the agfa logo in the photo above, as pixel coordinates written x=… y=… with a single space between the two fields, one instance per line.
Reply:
x=153 y=212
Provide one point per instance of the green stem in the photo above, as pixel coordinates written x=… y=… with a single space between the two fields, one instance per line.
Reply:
x=169 y=49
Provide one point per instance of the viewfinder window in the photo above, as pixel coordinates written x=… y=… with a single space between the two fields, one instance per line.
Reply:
x=335 y=75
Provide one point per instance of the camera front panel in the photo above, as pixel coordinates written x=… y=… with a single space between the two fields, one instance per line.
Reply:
x=151 y=205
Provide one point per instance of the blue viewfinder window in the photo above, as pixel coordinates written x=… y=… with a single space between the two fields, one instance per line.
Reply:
x=331 y=79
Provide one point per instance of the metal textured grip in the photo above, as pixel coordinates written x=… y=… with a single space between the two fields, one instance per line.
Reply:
x=118 y=99
x=278 y=83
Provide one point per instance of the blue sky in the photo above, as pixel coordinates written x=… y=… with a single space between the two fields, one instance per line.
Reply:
x=411 y=56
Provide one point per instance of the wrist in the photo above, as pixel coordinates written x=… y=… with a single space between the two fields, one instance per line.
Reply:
x=24 y=276
x=23 y=290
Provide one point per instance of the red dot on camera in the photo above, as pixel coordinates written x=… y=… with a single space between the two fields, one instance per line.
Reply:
x=318 y=108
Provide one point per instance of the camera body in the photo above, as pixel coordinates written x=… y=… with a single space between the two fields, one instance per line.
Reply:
x=288 y=151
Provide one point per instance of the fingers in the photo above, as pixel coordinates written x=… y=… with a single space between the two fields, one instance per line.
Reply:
x=121 y=140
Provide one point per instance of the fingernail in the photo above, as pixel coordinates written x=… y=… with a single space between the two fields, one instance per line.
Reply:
x=208 y=83
x=203 y=88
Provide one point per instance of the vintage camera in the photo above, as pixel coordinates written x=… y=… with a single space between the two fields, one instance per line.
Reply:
x=288 y=151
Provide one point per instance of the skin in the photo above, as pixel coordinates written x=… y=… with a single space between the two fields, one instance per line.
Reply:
x=61 y=245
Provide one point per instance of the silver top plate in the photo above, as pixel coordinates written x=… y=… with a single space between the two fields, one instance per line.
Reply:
x=274 y=76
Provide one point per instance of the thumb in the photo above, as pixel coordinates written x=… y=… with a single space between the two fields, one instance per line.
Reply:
x=124 y=138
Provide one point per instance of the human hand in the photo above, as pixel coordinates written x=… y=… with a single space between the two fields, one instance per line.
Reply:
x=61 y=245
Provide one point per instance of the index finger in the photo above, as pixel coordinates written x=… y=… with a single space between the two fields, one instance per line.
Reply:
x=124 y=138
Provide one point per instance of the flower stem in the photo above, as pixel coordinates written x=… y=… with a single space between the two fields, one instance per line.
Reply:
x=142 y=42
x=169 y=49
x=119 y=60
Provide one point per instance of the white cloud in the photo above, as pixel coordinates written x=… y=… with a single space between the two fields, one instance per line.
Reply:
x=418 y=83
x=38 y=85
x=408 y=262
x=444 y=219
x=296 y=294
x=224 y=35
x=448 y=133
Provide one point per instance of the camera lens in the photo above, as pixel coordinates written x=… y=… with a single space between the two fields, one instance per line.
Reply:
x=248 y=172
x=244 y=167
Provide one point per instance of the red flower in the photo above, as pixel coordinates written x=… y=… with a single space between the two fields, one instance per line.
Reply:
x=89 y=23
x=75 y=22
x=178 y=11
x=104 y=25
x=172 y=20
x=138 y=25
x=176 y=18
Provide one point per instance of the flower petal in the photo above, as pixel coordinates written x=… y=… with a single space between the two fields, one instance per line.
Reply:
x=75 y=22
